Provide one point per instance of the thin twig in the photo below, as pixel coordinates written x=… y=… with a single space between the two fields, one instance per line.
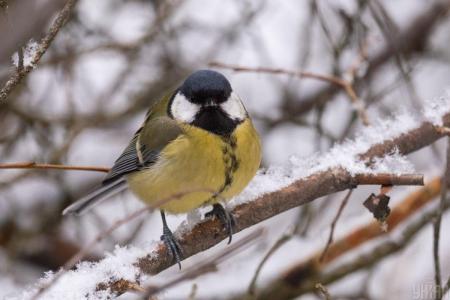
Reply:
x=446 y=288
x=333 y=224
x=301 y=225
x=33 y=165
x=299 y=74
x=389 y=179
x=344 y=84
x=437 y=226
x=45 y=43
x=277 y=245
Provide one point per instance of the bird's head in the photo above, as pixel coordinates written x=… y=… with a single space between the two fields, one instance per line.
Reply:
x=206 y=100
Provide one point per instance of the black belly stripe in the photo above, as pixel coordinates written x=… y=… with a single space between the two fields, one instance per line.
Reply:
x=230 y=161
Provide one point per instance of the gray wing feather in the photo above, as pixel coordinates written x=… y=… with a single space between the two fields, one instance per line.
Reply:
x=135 y=157
x=129 y=161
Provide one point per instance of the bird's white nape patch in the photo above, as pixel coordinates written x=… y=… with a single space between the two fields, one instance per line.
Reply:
x=182 y=109
x=234 y=107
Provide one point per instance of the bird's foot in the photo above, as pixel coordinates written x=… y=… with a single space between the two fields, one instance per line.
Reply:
x=168 y=238
x=225 y=217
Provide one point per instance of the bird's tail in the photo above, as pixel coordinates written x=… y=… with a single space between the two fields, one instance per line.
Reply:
x=87 y=202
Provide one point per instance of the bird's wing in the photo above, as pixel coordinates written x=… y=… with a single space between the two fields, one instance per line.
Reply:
x=142 y=151
x=144 y=148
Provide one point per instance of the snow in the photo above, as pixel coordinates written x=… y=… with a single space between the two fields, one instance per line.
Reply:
x=81 y=283
x=435 y=109
x=7 y=287
x=28 y=53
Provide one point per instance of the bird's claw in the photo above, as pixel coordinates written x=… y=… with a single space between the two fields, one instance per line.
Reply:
x=171 y=243
x=225 y=217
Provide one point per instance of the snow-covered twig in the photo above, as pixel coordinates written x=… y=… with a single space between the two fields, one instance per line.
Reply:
x=60 y=20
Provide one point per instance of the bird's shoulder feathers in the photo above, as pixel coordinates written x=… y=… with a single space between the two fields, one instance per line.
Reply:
x=143 y=150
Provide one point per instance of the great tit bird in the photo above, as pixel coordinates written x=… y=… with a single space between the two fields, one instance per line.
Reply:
x=197 y=142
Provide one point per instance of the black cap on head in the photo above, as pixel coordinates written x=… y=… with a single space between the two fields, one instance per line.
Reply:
x=204 y=86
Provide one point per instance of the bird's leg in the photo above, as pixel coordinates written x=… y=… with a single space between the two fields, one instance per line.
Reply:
x=168 y=239
x=224 y=216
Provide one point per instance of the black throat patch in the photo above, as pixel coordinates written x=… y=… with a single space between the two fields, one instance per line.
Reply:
x=215 y=120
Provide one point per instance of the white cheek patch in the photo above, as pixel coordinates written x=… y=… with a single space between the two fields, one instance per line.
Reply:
x=184 y=110
x=234 y=107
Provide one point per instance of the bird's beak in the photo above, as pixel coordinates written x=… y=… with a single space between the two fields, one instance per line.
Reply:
x=210 y=103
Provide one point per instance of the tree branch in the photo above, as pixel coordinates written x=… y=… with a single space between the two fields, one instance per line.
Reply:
x=345 y=85
x=333 y=224
x=33 y=165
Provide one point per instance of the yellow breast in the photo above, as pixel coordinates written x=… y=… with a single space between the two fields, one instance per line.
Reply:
x=201 y=167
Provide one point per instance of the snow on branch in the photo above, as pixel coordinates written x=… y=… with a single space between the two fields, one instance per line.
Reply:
x=375 y=156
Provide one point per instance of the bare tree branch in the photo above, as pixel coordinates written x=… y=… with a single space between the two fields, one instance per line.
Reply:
x=333 y=224
x=437 y=226
x=342 y=83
